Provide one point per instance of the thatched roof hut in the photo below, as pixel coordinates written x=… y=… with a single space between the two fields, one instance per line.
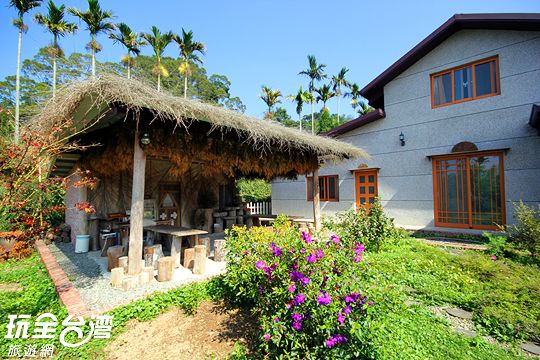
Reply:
x=109 y=100
x=150 y=145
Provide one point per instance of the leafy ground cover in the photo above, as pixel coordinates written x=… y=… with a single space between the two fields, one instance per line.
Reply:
x=502 y=294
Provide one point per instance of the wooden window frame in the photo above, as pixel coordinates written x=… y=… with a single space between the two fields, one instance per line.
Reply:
x=323 y=188
x=468 y=155
x=472 y=64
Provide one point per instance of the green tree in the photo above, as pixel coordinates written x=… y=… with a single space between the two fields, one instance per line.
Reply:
x=315 y=72
x=158 y=42
x=96 y=21
x=271 y=98
x=188 y=50
x=254 y=190
x=338 y=81
x=364 y=108
x=324 y=93
x=354 y=94
x=282 y=116
x=23 y=7
x=300 y=98
x=131 y=41
x=55 y=23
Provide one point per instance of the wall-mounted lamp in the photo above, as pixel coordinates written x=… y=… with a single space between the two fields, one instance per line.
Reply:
x=402 y=139
x=145 y=139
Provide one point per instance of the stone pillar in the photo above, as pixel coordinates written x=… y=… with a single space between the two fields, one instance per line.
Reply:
x=77 y=219
x=137 y=209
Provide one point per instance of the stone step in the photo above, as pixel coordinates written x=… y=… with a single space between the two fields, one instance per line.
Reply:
x=460 y=313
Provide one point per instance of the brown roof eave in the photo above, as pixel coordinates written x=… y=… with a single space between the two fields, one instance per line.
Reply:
x=356 y=123
x=504 y=21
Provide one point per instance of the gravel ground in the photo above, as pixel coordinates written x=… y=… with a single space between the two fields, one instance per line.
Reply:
x=88 y=273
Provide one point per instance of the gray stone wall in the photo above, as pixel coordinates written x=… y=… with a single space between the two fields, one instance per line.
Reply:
x=405 y=176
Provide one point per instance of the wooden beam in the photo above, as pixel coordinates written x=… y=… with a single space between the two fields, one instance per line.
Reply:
x=316 y=200
x=137 y=209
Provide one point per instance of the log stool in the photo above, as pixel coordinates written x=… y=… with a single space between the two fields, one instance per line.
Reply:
x=199 y=264
x=219 y=250
x=117 y=277
x=189 y=257
x=113 y=253
x=165 y=268
x=206 y=242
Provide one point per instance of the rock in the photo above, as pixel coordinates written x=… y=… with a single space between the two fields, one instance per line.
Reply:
x=410 y=289
x=411 y=302
x=465 y=332
x=460 y=313
x=531 y=348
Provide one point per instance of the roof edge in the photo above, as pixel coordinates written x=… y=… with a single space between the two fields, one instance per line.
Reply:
x=356 y=123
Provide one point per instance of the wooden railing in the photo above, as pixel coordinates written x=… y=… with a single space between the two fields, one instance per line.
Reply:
x=260 y=207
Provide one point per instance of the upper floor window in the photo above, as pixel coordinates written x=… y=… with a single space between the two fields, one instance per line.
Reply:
x=328 y=188
x=475 y=80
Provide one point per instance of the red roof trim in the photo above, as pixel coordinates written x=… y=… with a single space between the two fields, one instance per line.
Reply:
x=356 y=123
x=518 y=21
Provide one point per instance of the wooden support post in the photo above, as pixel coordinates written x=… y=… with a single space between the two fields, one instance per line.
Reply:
x=137 y=209
x=199 y=265
x=316 y=200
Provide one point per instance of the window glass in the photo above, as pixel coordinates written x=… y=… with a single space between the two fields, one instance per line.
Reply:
x=463 y=83
x=485 y=78
x=442 y=89
x=371 y=178
x=331 y=187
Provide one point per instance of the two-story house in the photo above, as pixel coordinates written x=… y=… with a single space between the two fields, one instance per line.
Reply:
x=454 y=140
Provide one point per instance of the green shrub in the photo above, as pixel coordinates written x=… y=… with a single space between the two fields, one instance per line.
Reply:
x=254 y=190
x=307 y=292
x=525 y=234
x=496 y=244
x=373 y=227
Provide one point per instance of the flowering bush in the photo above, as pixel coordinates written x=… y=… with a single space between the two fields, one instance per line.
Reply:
x=306 y=291
x=373 y=226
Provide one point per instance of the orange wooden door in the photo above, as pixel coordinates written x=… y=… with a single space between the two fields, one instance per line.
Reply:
x=366 y=187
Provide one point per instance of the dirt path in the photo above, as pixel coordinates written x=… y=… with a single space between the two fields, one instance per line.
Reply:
x=209 y=334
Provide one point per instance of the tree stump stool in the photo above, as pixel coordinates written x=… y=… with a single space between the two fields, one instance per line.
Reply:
x=113 y=254
x=165 y=267
x=117 y=277
x=206 y=241
x=219 y=250
x=123 y=263
x=148 y=271
x=189 y=257
x=157 y=254
x=199 y=263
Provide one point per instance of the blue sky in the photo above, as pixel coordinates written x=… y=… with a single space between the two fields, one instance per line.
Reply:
x=266 y=42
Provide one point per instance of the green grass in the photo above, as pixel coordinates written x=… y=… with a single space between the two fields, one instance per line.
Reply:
x=503 y=296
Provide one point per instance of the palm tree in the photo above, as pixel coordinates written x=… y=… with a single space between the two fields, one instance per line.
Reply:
x=54 y=22
x=338 y=81
x=158 y=42
x=22 y=6
x=188 y=47
x=301 y=97
x=354 y=94
x=324 y=94
x=271 y=98
x=96 y=22
x=314 y=72
x=131 y=42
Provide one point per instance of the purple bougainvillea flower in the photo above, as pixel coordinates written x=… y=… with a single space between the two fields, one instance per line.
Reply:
x=245 y=252
x=341 y=318
x=370 y=303
x=347 y=309
x=305 y=281
x=306 y=237
x=324 y=298
x=277 y=251
x=266 y=337
x=260 y=264
x=296 y=317
x=302 y=250
x=494 y=258
x=297 y=325
x=292 y=288
x=311 y=258
x=334 y=239
x=276 y=319
x=299 y=299
x=334 y=340
x=319 y=254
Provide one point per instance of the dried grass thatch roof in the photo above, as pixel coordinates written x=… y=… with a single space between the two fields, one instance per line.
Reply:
x=265 y=136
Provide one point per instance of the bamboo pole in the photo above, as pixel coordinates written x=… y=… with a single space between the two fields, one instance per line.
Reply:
x=137 y=209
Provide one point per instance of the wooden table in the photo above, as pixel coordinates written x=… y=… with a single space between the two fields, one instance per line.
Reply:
x=177 y=233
